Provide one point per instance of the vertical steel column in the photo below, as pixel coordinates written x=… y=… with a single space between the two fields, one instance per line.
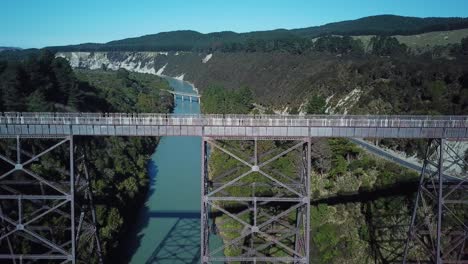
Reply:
x=72 y=201
x=94 y=224
x=416 y=203
x=440 y=200
x=308 y=191
x=204 y=225
x=439 y=225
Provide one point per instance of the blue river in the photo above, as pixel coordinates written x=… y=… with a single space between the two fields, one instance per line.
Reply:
x=168 y=225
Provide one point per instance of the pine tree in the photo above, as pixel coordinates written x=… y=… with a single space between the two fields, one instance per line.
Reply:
x=316 y=105
x=11 y=87
x=36 y=102
x=75 y=96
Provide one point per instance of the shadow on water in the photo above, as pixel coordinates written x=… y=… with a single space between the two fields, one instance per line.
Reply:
x=134 y=236
x=182 y=243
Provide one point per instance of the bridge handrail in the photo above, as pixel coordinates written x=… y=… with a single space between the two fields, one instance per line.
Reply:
x=234 y=120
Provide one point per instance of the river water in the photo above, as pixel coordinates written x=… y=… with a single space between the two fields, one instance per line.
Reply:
x=169 y=223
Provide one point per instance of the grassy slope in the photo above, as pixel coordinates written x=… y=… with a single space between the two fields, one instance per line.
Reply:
x=426 y=40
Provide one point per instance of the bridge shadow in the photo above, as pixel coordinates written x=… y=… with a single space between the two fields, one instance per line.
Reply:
x=133 y=236
x=181 y=245
x=387 y=214
x=387 y=221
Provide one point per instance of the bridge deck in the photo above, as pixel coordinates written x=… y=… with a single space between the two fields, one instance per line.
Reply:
x=241 y=126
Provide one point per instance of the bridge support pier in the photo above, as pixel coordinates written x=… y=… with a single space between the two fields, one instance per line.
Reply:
x=259 y=205
x=438 y=230
x=38 y=193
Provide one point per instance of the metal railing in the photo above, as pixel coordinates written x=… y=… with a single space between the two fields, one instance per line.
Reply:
x=142 y=119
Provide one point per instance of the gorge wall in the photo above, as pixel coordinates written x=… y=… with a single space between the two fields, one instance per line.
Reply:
x=350 y=84
x=277 y=79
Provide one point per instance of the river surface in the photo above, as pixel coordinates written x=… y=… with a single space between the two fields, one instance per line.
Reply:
x=168 y=225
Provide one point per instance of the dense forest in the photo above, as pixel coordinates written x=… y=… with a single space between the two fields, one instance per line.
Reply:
x=43 y=83
x=116 y=166
x=297 y=40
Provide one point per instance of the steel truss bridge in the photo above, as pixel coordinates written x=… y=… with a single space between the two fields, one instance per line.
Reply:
x=437 y=232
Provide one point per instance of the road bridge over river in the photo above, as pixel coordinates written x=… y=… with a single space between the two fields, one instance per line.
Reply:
x=262 y=229
x=185 y=96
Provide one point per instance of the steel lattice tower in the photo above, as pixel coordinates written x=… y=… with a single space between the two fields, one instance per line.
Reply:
x=40 y=219
x=271 y=223
x=439 y=224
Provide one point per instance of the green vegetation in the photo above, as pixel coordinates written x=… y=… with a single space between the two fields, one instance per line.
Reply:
x=117 y=166
x=315 y=105
x=338 y=44
x=130 y=92
x=360 y=232
x=296 y=40
x=387 y=46
x=217 y=100
x=337 y=235
x=42 y=83
x=351 y=220
x=420 y=43
x=352 y=170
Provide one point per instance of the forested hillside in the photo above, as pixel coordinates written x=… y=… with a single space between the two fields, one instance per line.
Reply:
x=385 y=25
x=296 y=40
x=43 y=83
x=117 y=166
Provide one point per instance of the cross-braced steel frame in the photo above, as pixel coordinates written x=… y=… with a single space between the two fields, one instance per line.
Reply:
x=39 y=217
x=245 y=195
x=438 y=230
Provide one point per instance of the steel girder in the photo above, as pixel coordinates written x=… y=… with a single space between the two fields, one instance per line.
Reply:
x=265 y=213
x=40 y=218
x=438 y=230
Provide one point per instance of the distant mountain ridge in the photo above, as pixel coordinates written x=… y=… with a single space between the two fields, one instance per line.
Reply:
x=189 y=40
x=385 y=25
x=9 y=48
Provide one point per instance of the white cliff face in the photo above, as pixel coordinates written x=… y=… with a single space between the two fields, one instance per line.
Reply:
x=161 y=70
x=180 y=77
x=143 y=62
x=207 y=58
x=345 y=103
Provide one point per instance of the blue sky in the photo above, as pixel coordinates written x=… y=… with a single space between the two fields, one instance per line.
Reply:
x=39 y=23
